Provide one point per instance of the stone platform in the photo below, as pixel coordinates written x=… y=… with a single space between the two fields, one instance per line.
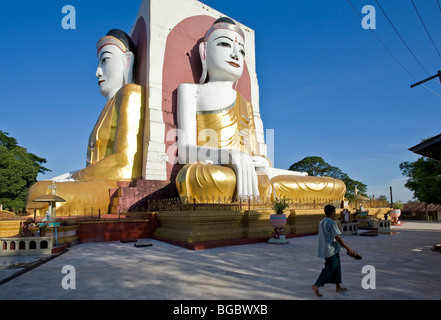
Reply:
x=209 y=229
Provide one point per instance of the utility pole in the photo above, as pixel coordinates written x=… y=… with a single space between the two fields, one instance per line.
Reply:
x=391 y=199
x=438 y=75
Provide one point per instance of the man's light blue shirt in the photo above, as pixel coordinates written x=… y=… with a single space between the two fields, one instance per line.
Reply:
x=327 y=245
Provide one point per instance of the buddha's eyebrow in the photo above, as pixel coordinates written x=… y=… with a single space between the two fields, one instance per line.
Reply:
x=224 y=37
x=229 y=39
x=104 y=53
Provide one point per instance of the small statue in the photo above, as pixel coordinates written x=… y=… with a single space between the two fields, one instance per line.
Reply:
x=48 y=216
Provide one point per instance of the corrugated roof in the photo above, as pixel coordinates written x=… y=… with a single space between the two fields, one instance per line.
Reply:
x=421 y=207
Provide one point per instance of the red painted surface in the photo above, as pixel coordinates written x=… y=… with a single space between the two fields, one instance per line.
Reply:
x=116 y=230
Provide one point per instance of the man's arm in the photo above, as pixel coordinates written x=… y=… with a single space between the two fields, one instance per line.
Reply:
x=344 y=245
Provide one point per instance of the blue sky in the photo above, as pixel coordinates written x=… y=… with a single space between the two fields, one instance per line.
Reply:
x=327 y=87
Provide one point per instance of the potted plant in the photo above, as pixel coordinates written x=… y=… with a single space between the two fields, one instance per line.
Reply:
x=278 y=219
x=396 y=212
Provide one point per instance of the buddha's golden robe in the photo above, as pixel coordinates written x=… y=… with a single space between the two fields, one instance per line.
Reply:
x=235 y=129
x=114 y=154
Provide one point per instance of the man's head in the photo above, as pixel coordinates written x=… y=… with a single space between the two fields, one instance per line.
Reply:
x=329 y=211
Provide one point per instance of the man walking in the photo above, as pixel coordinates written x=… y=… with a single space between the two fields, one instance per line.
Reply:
x=329 y=246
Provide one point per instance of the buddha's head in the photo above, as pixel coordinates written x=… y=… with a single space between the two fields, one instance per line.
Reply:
x=116 y=59
x=222 y=51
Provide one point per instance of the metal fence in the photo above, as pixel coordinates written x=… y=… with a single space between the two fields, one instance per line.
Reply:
x=191 y=204
x=369 y=204
x=86 y=214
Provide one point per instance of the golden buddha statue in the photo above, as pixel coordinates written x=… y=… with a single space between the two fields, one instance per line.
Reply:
x=217 y=135
x=114 y=151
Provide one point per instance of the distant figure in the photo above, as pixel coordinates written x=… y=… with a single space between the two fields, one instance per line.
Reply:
x=329 y=246
x=344 y=216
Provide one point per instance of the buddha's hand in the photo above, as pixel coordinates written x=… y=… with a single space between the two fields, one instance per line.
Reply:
x=246 y=176
x=260 y=162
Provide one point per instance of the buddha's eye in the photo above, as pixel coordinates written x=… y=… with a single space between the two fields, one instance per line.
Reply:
x=224 y=44
x=242 y=52
x=104 y=59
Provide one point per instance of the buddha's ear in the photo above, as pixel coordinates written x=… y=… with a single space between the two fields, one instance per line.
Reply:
x=128 y=60
x=203 y=55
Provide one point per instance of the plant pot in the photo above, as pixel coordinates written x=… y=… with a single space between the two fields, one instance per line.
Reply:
x=394 y=214
x=278 y=220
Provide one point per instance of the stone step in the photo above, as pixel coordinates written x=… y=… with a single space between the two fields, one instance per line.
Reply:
x=137 y=192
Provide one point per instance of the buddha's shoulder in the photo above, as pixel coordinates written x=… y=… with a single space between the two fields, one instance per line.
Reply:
x=129 y=97
x=131 y=89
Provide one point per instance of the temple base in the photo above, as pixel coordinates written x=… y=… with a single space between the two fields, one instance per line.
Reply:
x=207 y=229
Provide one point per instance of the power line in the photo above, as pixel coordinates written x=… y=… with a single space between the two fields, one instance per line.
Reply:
x=382 y=43
x=390 y=52
x=401 y=38
x=427 y=31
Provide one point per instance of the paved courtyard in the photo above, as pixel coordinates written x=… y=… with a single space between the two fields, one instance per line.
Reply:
x=404 y=268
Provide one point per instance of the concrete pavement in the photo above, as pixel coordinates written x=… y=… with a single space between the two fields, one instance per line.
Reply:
x=402 y=263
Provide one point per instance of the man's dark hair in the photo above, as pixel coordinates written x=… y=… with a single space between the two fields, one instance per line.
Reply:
x=329 y=209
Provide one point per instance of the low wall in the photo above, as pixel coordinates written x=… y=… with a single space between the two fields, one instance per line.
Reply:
x=98 y=231
x=304 y=222
x=25 y=246
x=9 y=228
x=196 y=226
x=205 y=225
x=65 y=234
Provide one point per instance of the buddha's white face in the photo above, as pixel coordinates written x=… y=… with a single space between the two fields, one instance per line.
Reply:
x=110 y=71
x=225 y=54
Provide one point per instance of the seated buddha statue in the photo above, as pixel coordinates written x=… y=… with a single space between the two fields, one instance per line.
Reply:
x=114 y=150
x=217 y=135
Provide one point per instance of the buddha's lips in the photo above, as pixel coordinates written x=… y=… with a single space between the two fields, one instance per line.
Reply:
x=100 y=81
x=234 y=64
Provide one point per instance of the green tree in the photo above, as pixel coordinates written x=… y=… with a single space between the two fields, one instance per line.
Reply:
x=424 y=179
x=18 y=171
x=316 y=166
